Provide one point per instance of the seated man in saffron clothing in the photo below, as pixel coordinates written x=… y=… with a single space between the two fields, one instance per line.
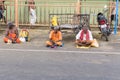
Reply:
x=55 y=38
x=11 y=35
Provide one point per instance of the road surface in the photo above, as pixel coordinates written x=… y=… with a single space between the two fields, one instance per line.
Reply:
x=36 y=64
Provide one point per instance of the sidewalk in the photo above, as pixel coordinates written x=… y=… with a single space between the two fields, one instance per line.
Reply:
x=39 y=37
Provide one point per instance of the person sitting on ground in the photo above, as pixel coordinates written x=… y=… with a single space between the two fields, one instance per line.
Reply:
x=11 y=35
x=85 y=38
x=24 y=35
x=55 y=38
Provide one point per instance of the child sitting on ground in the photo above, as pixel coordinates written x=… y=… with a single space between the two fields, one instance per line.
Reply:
x=24 y=35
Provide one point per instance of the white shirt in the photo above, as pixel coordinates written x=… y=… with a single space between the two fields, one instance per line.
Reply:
x=84 y=36
x=103 y=26
x=114 y=12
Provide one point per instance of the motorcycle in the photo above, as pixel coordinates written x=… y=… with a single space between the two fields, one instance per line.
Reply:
x=103 y=26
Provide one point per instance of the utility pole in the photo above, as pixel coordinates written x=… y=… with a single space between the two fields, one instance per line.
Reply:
x=16 y=13
x=116 y=17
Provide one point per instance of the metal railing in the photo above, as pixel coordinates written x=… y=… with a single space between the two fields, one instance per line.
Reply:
x=43 y=9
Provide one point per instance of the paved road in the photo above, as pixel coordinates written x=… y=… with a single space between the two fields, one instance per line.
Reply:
x=33 y=61
x=20 y=64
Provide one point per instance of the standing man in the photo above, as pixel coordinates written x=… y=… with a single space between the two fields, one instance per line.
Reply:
x=31 y=6
x=2 y=8
x=113 y=13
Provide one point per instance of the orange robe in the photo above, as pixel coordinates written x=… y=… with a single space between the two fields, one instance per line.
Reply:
x=55 y=37
x=11 y=36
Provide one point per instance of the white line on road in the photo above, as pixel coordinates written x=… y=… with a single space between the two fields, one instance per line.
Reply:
x=62 y=51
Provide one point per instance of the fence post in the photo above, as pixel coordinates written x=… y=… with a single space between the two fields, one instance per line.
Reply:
x=78 y=7
x=16 y=13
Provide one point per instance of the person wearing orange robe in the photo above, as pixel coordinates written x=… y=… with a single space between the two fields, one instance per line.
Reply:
x=11 y=35
x=55 y=38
